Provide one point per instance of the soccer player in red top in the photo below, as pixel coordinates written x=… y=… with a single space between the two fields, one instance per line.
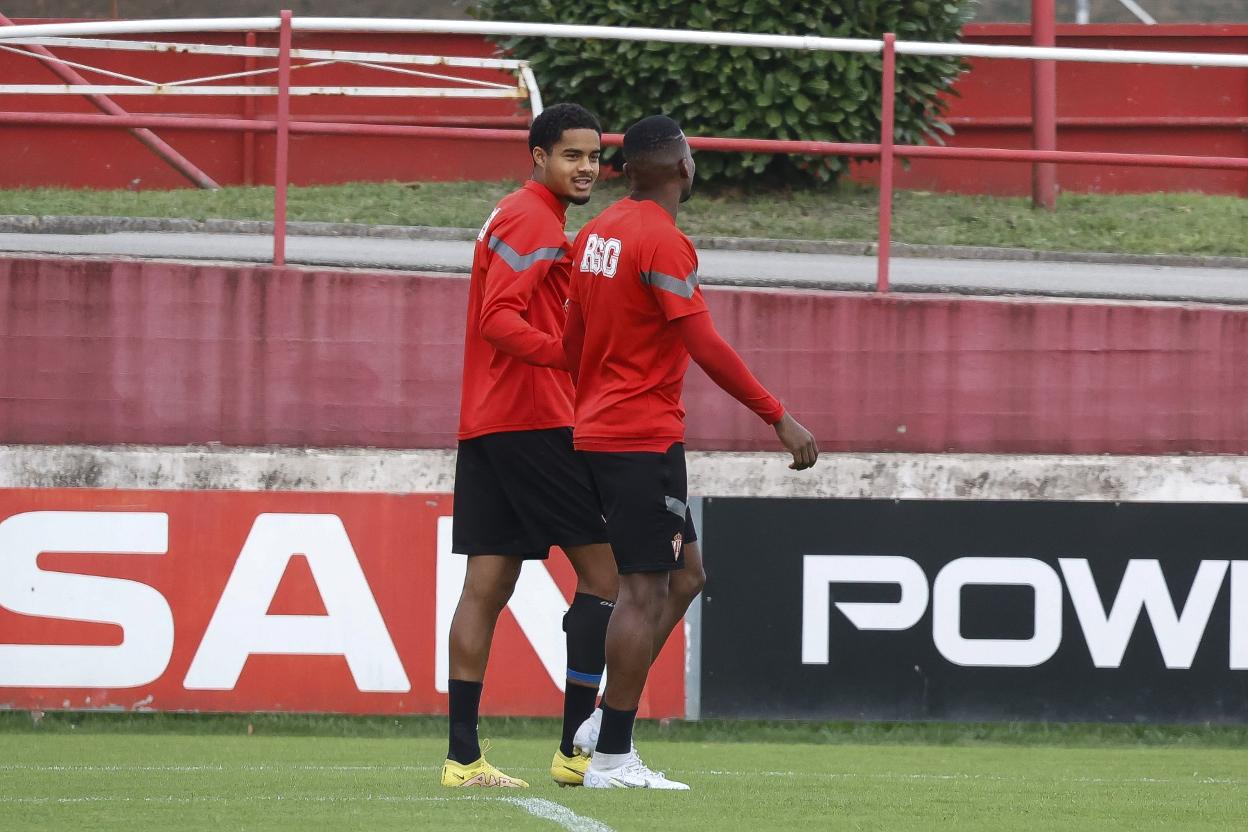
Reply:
x=519 y=486
x=635 y=318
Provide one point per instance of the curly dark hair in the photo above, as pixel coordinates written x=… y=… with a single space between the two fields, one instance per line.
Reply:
x=549 y=127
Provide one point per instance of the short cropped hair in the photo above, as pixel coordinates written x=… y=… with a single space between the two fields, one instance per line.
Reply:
x=549 y=127
x=651 y=135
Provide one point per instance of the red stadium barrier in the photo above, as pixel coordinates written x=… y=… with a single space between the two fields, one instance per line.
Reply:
x=318 y=358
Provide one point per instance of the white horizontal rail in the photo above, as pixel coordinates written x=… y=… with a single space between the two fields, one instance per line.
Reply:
x=174 y=89
x=106 y=72
x=548 y=30
x=1061 y=53
x=269 y=52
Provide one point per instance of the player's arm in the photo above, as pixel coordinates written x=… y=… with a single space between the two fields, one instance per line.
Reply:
x=724 y=367
x=509 y=284
x=574 y=339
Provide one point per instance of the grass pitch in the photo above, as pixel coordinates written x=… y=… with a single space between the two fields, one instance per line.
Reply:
x=1124 y=223
x=200 y=775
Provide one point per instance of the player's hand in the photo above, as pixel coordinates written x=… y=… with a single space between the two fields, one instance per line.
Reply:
x=797 y=441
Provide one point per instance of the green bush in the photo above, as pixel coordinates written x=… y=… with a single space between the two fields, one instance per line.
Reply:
x=734 y=91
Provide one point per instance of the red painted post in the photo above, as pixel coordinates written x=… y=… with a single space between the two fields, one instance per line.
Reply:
x=249 y=112
x=1044 y=104
x=105 y=104
x=281 y=172
x=888 y=104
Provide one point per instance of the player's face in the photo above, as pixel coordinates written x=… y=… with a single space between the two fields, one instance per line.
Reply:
x=571 y=167
x=686 y=190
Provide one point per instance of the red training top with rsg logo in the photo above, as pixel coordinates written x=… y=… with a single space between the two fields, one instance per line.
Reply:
x=515 y=319
x=635 y=271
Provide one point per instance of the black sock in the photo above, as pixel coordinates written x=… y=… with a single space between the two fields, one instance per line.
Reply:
x=465 y=705
x=586 y=626
x=578 y=704
x=616 y=736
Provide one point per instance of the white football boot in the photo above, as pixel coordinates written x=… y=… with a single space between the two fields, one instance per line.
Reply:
x=626 y=771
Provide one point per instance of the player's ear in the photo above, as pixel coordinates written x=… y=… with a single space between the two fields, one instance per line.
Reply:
x=539 y=156
x=685 y=168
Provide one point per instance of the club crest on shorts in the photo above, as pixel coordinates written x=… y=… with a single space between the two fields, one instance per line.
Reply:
x=676 y=543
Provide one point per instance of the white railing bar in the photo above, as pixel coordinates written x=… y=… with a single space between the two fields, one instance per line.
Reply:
x=548 y=30
x=528 y=82
x=270 y=52
x=435 y=75
x=85 y=67
x=248 y=74
x=447 y=27
x=363 y=92
x=142 y=27
x=563 y=30
x=1065 y=53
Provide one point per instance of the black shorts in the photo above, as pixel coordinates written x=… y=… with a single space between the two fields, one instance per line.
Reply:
x=644 y=497
x=520 y=492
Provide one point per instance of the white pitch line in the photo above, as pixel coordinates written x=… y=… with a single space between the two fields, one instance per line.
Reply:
x=557 y=813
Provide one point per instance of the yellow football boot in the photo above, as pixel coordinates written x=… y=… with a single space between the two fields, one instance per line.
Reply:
x=480 y=773
x=569 y=771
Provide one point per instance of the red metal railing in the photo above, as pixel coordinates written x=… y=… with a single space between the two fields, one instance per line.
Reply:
x=281 y=176
x=887 y=151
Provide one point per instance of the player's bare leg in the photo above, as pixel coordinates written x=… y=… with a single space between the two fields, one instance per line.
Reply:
x=631 y=639
x=488 y=583
x=684 y=586
x=595 y=570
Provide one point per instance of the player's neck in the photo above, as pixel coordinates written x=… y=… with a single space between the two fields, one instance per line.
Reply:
x=536 y=176
x=665 y=198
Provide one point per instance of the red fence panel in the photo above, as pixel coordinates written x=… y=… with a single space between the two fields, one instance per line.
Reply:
x=1119 y=107
x=1126 y=108
x=97 y=352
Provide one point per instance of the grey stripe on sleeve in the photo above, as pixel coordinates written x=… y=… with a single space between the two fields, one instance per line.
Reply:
x=519 y=262
x=675 y=506
x=683 y=288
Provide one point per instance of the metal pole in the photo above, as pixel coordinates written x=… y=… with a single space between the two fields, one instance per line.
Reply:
x=1083 y=12
x=249 y=112
x=887 y=139
x=1044 y=104
x=153 y=142
x=281 y=172
x=1138 y=10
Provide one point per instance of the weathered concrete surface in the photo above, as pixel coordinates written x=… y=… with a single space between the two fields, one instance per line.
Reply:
x=1212 y=479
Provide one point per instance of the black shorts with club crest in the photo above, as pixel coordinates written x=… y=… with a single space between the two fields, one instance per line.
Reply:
x=644 y=499
x=520 y=492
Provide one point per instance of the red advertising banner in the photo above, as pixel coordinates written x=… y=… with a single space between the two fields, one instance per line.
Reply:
x=268 y=601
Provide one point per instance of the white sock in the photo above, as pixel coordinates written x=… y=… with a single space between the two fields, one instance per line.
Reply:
x=606 y=762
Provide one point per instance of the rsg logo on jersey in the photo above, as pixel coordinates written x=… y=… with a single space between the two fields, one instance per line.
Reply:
x=602 y=256
x=1107 y=628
